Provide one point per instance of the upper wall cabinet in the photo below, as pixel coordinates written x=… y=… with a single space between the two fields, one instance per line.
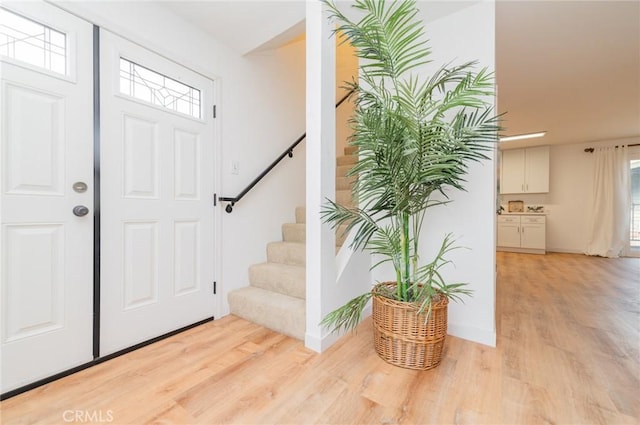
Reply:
x=525 y=170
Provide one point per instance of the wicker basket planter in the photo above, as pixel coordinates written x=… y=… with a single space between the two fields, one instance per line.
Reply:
x=402 y=337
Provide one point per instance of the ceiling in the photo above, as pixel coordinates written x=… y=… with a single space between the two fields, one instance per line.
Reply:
x=570 y=68
x=244 y=25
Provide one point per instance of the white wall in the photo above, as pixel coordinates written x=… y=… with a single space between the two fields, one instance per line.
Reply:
x=570 y=188
x=261 y=101
x=467 y=34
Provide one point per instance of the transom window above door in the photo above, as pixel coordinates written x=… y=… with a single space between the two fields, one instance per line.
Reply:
x=150 y=86
x=33 y=43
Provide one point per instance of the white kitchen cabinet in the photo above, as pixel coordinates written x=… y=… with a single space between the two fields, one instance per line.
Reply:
x=512 y=171
x=525 y=170
x=509 y=231
x=533 y=232
x=522 y=233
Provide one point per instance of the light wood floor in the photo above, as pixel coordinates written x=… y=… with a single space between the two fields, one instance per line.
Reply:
x=568 y=353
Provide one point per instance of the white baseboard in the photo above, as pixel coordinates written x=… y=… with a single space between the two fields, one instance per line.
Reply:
x=481 y=336
x=312 y=342
x=521 y=250
x=320 y=345
x=565 y=251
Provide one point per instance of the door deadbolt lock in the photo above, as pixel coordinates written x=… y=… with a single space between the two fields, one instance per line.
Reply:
x=80 y=210
x=80 y=187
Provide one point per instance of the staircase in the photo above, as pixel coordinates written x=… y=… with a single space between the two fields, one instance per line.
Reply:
x=275 y=297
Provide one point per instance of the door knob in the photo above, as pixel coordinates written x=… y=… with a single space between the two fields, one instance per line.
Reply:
x=80 y=187
x=80 y=210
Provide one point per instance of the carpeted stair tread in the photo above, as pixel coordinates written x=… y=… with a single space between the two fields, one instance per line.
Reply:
x=282 y=278
x=292 y=253
x=278 y=312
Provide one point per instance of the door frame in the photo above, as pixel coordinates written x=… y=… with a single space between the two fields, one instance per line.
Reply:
x=217 y=219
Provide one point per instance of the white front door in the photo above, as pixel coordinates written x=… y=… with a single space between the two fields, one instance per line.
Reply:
x=157 y=185
x=46 y=127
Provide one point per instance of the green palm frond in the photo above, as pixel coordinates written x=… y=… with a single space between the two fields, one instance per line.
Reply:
x=416 y=136
x=348 y=316
x=388 y=38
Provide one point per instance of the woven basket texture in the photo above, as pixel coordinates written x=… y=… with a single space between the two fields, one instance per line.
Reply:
x=402 y=337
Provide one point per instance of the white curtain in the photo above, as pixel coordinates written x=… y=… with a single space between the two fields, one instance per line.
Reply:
x=609 y=224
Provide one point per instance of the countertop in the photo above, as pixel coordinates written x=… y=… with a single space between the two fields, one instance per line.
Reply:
x=523 y=213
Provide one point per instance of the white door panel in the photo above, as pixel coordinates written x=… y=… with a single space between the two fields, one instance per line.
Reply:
x=157 y=228
x=46 y=126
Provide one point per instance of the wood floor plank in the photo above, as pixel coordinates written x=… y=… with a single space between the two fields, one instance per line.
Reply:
x=568 y=352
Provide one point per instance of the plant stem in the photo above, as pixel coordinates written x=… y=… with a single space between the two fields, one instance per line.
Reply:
x=414 y=257
x=417 y=220
x=406 y=261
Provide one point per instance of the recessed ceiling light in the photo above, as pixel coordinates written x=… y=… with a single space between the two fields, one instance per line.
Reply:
x=523 y=136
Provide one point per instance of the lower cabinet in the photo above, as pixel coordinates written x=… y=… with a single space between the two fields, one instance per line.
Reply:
x=522 y=233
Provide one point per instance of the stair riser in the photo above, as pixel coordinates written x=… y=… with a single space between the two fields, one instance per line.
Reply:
x=350 y=150
x=343 y=197
x=294 y=232
x=279 y=313
x=347 y=160
x=286 y=253
x=279 y=278
x=342 y=170
x=345 y=183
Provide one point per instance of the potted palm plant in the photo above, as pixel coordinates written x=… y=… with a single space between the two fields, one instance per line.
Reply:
x=415 y=135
